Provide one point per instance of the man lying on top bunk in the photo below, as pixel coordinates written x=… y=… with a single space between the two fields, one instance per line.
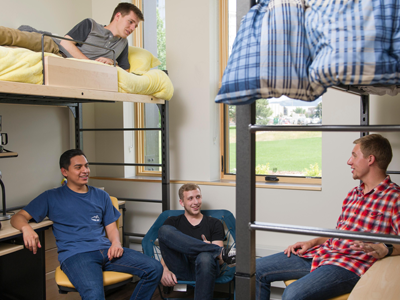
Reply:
x=125 y=19
x=326 y=268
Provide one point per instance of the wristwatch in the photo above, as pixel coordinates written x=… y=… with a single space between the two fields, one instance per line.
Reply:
x=390 y=248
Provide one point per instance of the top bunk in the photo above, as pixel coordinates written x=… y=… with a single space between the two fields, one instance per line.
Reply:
x=301 y=48
x=30 y=75
x=26 y=93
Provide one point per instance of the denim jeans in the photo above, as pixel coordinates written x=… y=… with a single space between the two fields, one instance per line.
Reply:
x=325 y=282
x=85 y=271
x=190 y=259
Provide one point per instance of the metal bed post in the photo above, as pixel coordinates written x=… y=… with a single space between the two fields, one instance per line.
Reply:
x=165 y=180
x=245 y=202
x=245 y=188
x=78 y=127
x=364 y=112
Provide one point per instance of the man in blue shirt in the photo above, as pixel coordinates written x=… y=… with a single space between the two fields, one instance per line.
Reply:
x=82 y=215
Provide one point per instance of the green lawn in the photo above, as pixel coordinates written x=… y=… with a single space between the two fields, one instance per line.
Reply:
x=292 y=155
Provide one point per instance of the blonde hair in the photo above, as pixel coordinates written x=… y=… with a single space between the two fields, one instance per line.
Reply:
x=186 y=188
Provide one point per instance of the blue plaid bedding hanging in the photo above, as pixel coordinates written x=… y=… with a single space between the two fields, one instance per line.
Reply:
x=300 y=48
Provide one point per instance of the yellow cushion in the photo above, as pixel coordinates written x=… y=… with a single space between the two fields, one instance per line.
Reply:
x=115 y=203
x=342 y=297
x=141 y=60
x=109 y=278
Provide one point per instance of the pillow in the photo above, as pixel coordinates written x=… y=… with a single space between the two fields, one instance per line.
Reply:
x=141 y=60
x=269 y=56
x=353 y=42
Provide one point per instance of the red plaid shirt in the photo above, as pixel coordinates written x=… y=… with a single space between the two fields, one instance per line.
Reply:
x=376 y=212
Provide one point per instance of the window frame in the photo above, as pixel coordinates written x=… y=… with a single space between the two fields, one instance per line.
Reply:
x=223 y=58
x=137 y=41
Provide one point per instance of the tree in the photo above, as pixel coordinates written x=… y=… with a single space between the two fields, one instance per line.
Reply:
x=161 y=48
x=263 y=111
x=299 y=110
x=232 y=113
x=318 y=111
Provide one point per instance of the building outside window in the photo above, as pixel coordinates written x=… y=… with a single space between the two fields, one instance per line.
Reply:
x=278 y=153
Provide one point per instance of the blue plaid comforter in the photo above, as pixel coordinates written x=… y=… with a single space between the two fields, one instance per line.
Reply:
x=299 y=48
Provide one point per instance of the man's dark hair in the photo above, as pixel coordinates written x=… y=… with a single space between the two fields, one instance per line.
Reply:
x=65 y=158
x=125 y=8
x=378 y=146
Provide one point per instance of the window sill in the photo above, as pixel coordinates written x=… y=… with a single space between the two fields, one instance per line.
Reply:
x=224 y=182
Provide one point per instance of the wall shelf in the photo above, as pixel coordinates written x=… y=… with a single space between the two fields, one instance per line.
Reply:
x=8 y=154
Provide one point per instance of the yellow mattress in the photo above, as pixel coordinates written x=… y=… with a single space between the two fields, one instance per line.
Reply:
x=23 y=65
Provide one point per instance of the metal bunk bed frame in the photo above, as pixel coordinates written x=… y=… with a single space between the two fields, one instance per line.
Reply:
x=165 y=178
x=246 y=188
x=75 y=105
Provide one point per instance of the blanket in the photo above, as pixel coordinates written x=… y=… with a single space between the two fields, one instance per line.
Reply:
x=299 y=48
x=29 y=40
x=23 y=65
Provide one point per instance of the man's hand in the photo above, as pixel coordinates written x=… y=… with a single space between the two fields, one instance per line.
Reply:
x=298 y=248
x=302 y=247
x=20 y=222
x=205 y=239
x=31 y=239
x=376 y=250
x=105 y=60
x=115 y=251
x=168 y=278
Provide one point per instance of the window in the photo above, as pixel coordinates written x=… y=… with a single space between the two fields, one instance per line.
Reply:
x=292 y=155
x=148 y=143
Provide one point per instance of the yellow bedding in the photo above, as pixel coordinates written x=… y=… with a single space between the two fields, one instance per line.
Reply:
x=23 y=65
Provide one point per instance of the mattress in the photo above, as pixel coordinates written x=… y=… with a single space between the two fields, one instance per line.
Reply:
x=23 y=65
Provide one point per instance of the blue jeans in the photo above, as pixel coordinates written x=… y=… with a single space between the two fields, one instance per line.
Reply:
x=190 y=259
x=325 y=282
x=85 y=271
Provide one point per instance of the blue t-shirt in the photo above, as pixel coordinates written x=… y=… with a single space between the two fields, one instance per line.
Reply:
x=79 y=219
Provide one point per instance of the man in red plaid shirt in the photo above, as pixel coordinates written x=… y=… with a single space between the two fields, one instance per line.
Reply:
x=327 y=268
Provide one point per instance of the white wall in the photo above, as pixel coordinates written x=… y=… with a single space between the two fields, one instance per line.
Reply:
x=38 y=133
x=193 y=68
x=56 y=16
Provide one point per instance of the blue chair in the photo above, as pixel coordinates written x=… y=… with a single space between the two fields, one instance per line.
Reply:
x=151 y=248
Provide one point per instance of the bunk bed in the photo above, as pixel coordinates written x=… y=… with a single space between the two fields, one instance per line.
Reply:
x=20 y=89
x=32 y=72
x=283 y=64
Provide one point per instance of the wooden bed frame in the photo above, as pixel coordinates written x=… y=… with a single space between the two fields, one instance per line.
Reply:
x=66 y=94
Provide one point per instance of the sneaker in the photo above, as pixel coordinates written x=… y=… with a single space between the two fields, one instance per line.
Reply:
x=229 y=256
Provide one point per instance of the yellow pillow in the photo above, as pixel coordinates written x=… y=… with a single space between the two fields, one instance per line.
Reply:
x=141 y=60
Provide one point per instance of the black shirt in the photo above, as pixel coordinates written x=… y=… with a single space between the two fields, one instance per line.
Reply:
x=211 y=227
